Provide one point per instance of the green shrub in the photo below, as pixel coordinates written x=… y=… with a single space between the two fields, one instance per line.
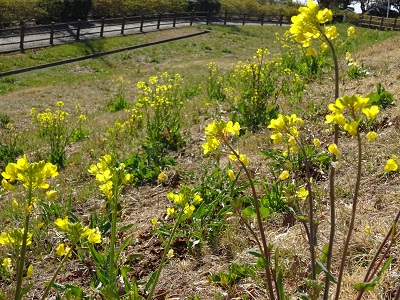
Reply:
x=17 y=10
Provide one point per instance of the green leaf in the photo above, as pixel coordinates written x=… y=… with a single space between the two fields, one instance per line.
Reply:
x=368 y=286
x=97 y=257
x=260 y=256
x=151 y=280
x=325 y=270
x=264 y=211
x=124 y=228
x=248 y=211
x=124 y=273
x=279 y=285
x=324 y=253
x=302 y=218
x=121 y=248
x=26 y=290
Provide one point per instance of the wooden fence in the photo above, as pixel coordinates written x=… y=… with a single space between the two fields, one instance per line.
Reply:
x=27 y=37
x=380 y=23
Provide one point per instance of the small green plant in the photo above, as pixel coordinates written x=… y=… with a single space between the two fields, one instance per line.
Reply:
x=55 y=129
x=234 y=273
x=215 y=83
x=160 y=103
x=4 y=120
x=355 y=69
x=147 y=163
x=10 y=147
x=118 y=102
x=381 y=97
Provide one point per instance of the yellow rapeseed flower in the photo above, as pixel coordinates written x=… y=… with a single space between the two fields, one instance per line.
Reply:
x=316 y=142
x=331 y=32
x=29 y=271
x=351 y=31
x=302 y=194
x=284 y=175
x=391 y=164
x=197 y=199
x=62 y=223
x=311 y=52
x=371 y=136
x=51 y=195
x=162 y=176
x=7 y=263
x=351 y=128
x=231 y=175
x=188 y=210
x=333 y=148
x=371 y=112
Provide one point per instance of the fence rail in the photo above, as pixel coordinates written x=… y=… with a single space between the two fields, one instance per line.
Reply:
x=27 y=37
x=380 y=23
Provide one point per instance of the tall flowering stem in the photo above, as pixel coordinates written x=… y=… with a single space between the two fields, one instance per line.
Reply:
x=164 y=257
x=32 y=176
x=216 y=133
x=21 y=258
x=332 y=172
x=112 y=177
x=50 y=284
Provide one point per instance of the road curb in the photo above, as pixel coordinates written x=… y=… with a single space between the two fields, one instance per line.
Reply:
x=100 y=54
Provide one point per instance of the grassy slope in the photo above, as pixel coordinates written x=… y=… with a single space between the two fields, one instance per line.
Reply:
x=89 y=83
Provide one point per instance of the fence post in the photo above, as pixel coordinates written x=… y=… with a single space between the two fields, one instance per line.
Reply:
x=360 y=20
x=123 y=25
x=394 y=23
x=102 y=27
x=141 y=23
x=280 y=20
x=262 y=19
x=192 y=18
x=159 y=21
x=380 y=26
x=52 y=34
x=22 y=36
x=78 y=30
x=244 y=18
x=225 y=17
x=208 y=17
x=370 y=20
x=174 y=22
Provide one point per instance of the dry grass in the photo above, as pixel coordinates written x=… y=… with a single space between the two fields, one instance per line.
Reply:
x=186 y=276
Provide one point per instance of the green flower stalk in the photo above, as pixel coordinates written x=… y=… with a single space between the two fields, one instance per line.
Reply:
x=112 y=177
x=217 y=133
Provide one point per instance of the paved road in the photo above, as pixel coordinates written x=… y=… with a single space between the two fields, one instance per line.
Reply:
x=39 y=36
x=10 y=40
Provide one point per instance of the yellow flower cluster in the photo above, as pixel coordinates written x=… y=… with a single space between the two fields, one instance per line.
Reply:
x=159 y=92
x=306 y=26
x=31 y=175
x=354 y=107
x=14 y=237
x=77 y=230
x=217 y=131
x=110 y=175
x=285 y=130
x=127 y=128
x=186 y=200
